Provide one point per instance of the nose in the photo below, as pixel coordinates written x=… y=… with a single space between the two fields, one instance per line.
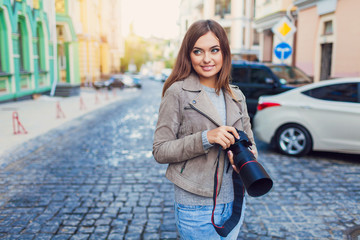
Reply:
x=206 y=58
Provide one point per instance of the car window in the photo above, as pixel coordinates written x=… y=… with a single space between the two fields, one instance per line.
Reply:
x=260 y=76
x=344 y=92
x=239 y=74
x=292 y=75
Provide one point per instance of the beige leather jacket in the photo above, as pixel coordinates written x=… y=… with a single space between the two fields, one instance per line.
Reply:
x=185 y=111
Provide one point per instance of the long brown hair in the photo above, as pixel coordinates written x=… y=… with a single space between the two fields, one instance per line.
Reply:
x=183 y=67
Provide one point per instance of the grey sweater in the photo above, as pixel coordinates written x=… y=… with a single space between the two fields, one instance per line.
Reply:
x=226 y=194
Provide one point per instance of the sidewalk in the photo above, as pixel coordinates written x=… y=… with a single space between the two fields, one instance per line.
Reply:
x=40 y=115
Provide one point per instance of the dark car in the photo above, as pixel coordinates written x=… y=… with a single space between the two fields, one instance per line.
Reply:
x=256 y=79
x=115 y=81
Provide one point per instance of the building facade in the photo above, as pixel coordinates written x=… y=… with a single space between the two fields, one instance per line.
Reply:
x=100 y=39
x=67 y=50
x=236 y=16
x=26 y=49
x=47 y=43
x=328 y=38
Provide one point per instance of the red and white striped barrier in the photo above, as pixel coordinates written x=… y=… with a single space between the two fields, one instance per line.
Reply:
x=17 y=126
x=59 y=111
x=82 y=104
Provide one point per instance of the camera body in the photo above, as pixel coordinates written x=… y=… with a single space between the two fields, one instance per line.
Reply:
x=256 y=180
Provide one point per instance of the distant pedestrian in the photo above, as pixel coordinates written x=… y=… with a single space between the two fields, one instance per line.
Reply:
x=198 y=115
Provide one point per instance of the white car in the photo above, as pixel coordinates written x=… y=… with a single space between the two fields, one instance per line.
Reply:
x=322 y=116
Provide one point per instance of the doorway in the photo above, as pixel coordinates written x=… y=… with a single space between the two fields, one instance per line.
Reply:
x=326 y=55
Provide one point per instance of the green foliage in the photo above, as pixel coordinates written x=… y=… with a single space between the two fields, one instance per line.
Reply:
x=135 y=52
x=139 y=51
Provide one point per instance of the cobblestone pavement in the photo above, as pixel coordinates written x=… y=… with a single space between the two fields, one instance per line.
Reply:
x=95 y=178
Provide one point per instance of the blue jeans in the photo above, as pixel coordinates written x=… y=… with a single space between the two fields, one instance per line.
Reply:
x=194 y=222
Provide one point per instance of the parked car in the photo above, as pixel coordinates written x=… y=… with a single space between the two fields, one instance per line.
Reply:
x=256 y=79
x=322 y=116
x=115 y=81
x=293 y=75
x=131 y=80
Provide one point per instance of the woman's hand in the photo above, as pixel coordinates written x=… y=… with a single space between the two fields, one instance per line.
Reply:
x=224 y=136
x=231 y=159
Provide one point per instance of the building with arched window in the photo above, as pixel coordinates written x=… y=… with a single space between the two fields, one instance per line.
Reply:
x=26 y=56
x=57 y=44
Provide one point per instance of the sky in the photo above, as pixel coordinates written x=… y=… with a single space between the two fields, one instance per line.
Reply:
x=156 y=18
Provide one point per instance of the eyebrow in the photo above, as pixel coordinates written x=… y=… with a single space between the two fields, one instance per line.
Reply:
x=210 y=47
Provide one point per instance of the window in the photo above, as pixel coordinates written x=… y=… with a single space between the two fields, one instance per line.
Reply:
x=40 y=48
x=243 y=36
x=344 y=92
x=256 y=38
x=291 y=74
x=244 y=8
x=239 y=74
x=222 y=7
x=21 y=48
x=328 y=28
x=260 y=76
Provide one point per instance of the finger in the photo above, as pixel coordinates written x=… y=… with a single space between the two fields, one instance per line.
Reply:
x=221 y=142
x=227 y=134
x=233 y=131
x=231 y=159
x=253 y=151
x=231 y=137
x=226 y=140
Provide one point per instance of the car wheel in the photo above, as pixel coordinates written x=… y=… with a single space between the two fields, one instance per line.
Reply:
x=293 y=140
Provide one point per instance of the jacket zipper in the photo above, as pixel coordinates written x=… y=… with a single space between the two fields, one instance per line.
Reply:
x=183 y=167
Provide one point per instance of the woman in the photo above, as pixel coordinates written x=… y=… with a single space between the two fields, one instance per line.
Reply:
x=198 y=118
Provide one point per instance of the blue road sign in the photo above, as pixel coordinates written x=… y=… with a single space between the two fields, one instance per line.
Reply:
x=282 y=50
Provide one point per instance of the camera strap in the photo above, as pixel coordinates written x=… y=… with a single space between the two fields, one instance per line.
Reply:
x=239 y=190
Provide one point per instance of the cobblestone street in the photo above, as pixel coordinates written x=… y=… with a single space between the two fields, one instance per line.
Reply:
x=95 y=178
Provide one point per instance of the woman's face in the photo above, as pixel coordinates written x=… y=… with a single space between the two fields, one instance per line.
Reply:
x=206 y=58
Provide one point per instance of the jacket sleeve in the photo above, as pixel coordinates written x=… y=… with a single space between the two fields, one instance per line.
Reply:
x=167 y=148
x=246 y=120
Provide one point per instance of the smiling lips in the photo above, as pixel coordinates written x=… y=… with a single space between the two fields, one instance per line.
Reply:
x=207 y=67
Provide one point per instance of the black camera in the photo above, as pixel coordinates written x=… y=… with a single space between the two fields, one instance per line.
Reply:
x=256 y=180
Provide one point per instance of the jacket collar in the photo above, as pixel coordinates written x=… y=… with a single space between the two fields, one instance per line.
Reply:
x=192 y=83
x=201 y=102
